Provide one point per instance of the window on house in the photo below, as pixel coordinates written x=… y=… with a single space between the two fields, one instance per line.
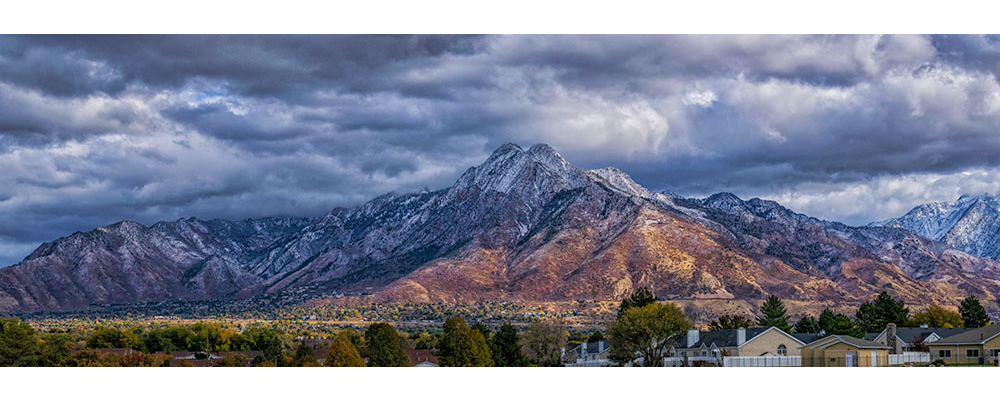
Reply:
x=972 y=353
x=684 y=354
x=782 y=350
x=944 y=353
x=704 y=353
x=994 y=353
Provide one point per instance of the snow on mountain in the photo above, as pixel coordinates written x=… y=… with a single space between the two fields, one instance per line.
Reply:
x=970 y=224
x=523 y=225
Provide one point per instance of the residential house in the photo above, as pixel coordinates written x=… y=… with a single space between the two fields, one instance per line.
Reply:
x=910 y=339
x=976 y=346
x=844 y=351
x=742 y=342
x=587 y=354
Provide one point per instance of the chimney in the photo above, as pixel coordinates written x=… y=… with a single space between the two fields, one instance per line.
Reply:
x=741 y=336
x=692 y=337
x=890 y=339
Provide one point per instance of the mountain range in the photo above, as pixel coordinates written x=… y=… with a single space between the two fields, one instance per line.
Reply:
x=525 y=225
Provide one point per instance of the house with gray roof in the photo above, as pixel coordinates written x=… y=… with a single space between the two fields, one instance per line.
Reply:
x=909 y=339
x=742 y=342
x=975 y=346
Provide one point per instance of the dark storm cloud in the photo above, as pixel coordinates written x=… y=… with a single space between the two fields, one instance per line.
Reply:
x=94 y=129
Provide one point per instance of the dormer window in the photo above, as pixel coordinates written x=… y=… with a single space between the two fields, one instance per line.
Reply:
x=782 y=350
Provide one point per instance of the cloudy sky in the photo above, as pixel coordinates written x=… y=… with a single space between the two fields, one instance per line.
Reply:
x=849 y=128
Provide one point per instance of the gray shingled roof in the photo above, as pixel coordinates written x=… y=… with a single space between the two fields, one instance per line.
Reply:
x=592 y=347
x=806 y=337
x=973 y=336
x=861 y=343
x=721 y=338
x=909 y=335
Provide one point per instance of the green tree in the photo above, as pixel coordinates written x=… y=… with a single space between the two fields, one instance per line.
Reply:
x=506 y=348
x=304 y=357
x=832 y=323
x=54 y=350
x=938 y=317
x=232 y=360
x=595 y=337
x=19 y=344
x=463 y=346
x=873 y=316
x=973 y=313
x=730 y=322
x=342 y=352
x=639 y=298
x=807 y=324
x=646 y=332
x=774 y=314
x=383 y=347
x=542 y=343
x=210 y=337
x=272 y=342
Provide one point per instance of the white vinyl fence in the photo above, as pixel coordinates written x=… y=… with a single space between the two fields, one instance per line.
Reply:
x=763 y=361
x=909 y=357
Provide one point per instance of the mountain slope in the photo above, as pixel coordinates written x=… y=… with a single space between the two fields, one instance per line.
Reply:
x=525 y=225
x=970 y=224
x=129 y=262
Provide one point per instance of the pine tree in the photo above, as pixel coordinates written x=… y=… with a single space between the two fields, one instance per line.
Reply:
x=506 y=348
x=831 y=323
x=807 y=324
x=640 y=298
x=973 y=313
x=873 y=316
x=774 y=314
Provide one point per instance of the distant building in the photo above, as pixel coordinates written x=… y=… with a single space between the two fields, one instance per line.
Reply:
x=587 y=354
x=421 y=357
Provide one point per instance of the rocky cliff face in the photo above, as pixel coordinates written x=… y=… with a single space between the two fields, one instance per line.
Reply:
x=970 y=224
x=129 y=262
x=523 y=226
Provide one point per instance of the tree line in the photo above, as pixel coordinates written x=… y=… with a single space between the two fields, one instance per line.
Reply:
x=871 y=316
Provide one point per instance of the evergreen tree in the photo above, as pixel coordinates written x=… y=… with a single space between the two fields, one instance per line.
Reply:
x=873 y=316
x=639 y=298
x=19 y=344
x=463 y=346
x=506 y=348
x=831 y=323
x=305 y=357
x=730 y=322
x=342 y=352
x=383 y=347
x=774 y=314
x=597 y=336
x=807 y=324
x=973 y=313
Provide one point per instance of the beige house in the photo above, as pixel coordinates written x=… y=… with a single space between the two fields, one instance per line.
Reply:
x=911 y=338
x=977 y=346
x=844 y=351
x=743 y=342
